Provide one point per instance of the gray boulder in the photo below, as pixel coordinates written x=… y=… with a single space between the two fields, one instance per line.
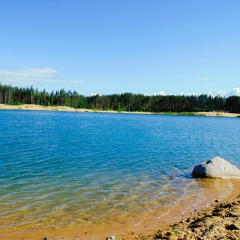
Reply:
x=216 y=168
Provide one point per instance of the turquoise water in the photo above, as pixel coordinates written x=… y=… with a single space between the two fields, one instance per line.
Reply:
x=60 y=168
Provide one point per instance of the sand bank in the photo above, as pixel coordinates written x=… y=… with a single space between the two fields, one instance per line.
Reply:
x=217 y=114
x=220 y=222
x=68 y=109
x=57 y=108
x=207 y=218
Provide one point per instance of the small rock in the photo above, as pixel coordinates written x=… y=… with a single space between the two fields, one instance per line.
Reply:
x=217 y=200
x=112 y=238
x=232 y=227
x=168 y=233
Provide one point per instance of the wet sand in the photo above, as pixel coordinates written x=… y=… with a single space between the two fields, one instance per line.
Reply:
x=147 y=226
x=68 y=109
x=219 y=222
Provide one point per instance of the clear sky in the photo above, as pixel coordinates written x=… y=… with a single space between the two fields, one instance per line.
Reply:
x=116 y=46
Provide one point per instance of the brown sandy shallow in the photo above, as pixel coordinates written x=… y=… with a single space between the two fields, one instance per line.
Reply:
x=68 y=109
x=197 y=216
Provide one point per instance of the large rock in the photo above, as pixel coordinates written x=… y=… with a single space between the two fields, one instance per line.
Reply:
x=216 y=168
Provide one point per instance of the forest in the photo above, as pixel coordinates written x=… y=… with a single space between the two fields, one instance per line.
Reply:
x=119 y=102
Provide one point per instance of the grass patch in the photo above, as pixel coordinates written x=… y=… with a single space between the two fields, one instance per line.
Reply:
x=175 y=230
x=178 y=113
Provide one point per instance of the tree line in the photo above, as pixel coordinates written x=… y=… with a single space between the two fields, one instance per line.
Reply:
x=119 y=102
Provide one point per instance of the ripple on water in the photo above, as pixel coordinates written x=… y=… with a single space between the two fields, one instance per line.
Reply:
x=60 y=169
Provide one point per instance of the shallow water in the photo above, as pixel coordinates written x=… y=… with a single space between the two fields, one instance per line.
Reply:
x=63 y=169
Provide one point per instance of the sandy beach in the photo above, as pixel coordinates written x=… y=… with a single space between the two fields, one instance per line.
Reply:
x=217 y=114
x=221 y=222
x=68 y=109
x=55 y=108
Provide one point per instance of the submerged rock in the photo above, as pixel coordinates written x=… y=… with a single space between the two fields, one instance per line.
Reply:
x=216 y=168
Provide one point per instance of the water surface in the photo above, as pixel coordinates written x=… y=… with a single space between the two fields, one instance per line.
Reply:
x=60 y=168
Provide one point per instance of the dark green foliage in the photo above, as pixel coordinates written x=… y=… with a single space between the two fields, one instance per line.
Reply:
x=233 y=104
x=119 y=102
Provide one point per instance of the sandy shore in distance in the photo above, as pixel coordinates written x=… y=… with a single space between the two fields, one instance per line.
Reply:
x=217 y=114
x=68 y=109
x=55 y=108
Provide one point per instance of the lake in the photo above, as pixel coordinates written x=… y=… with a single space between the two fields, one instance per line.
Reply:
x=61 y=169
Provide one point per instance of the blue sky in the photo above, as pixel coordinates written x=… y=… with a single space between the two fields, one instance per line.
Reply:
x=113 y=46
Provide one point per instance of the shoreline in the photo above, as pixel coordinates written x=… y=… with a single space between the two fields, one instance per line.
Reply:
x=219 y=221
x=140 y=225
x=192 y=207
x=68 y=109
